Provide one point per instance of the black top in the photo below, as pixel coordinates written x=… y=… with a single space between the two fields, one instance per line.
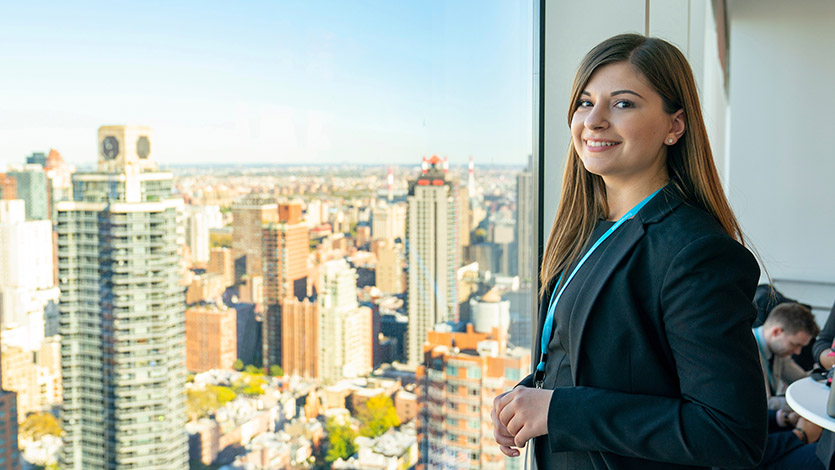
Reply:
x=559 y=347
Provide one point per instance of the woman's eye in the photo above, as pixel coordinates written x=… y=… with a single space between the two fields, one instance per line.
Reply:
x=623 y=104
x=584 y=104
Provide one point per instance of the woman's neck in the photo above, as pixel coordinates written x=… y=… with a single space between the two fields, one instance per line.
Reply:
x=622 y=197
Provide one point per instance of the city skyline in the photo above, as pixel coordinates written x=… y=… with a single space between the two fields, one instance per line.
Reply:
x=273 y=83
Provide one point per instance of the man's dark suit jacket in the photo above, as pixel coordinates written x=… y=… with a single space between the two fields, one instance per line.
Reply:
x=664 y=365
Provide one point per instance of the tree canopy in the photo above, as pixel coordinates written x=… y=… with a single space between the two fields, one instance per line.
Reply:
x=276 y=371
x=378 y=416
x=340 y=441
x=37 y=425
x=202 y=402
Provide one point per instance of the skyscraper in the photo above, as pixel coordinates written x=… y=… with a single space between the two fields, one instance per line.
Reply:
x=9 y=457
x=433 y=253
x=300 y=338
x=524 y=226
x=122 y=312
x=390 y=268
x=248 y=219
x=285 y=246
x=59 y=180
x=197 y=232
x=211 y=338
x=388 y=222
x=8 y=187
x=220 y=262
x=345 y=343
x=28 y=295
x=37 y=158
x=31 y=187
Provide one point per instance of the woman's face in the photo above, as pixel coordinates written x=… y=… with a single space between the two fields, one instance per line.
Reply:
x=620 y=128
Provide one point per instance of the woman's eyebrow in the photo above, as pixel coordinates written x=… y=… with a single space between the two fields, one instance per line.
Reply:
x=617 y=92
x=621 y=92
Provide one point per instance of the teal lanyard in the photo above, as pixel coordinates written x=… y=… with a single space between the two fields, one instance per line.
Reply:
x=548 y=328
x=760 y=341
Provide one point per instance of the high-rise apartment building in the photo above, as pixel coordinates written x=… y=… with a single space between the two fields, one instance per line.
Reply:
x=433 y=254
x=32 y=188
x=59 y=180
x=345 y=328
x=9 y=455
x=388 y=222
x=20 y=376
x=197 y=233
x=122 y=312
x=390 y=267
x=28 y=295
x=221 y=262
x=37 y=158
x=300 y=338
x=248 y=219
x=211 y=338
x=285 y=247
x=524 y=227
x=8 y=187
x=461 y=375
x=463 y=216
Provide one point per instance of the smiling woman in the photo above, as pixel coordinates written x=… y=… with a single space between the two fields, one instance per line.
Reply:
x=644 y=354
x=620 y=129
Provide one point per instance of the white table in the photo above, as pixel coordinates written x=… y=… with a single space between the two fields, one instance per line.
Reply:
x=808 y=399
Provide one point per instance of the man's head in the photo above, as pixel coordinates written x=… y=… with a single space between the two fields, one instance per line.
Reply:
x=788 y=328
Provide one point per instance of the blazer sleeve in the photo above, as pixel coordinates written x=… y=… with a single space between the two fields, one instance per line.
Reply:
x=720 y=418
x=825 y=337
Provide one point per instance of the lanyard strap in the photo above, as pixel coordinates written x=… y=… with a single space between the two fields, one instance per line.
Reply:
x=555 y=296
x=758 y=332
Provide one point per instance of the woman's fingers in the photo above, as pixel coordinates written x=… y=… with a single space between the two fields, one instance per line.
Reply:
x=500 y=433
x=509 y=451
x=524 y=413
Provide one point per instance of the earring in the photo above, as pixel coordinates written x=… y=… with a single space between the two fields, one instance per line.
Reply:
x=670 y=141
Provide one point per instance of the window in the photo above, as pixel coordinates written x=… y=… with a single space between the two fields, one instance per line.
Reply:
x=348 y=98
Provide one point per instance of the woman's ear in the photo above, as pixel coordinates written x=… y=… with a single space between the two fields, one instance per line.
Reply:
x=677 y=126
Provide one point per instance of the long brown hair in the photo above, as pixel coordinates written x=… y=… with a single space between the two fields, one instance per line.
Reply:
x=689 y=161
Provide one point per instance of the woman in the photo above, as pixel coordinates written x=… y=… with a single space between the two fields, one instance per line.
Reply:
x=650 y=361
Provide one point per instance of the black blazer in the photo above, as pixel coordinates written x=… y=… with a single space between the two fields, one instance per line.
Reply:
x=665 y=368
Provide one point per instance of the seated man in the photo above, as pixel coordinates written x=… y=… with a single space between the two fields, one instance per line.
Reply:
x=787 y=329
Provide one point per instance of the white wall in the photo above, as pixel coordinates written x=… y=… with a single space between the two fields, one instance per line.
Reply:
x=782 y=165
x=573 y=28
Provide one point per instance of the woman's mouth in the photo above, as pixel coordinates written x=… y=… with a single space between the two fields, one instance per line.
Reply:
x=600 y=145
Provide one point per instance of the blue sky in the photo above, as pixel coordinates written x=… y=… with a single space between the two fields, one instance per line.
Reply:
x=276 y=82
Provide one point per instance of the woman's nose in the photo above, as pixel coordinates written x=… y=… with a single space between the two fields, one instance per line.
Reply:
x=597 y=117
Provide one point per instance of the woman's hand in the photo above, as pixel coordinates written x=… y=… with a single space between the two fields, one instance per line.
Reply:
x=500 y=432
x=524 y=413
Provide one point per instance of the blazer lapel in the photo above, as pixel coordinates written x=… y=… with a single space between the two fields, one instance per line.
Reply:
x=613 y=252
